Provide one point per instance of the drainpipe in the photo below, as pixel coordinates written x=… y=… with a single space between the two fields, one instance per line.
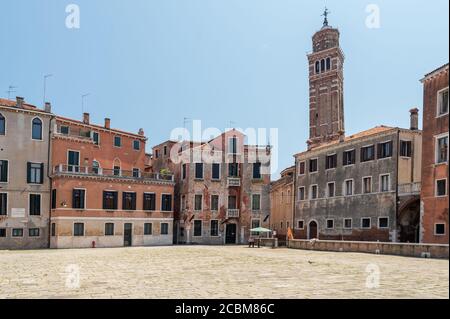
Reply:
x=294 y=182
x=397 y=199
x=49 y=168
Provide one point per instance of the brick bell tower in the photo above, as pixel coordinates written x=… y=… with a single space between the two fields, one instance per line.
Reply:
x=326 y=86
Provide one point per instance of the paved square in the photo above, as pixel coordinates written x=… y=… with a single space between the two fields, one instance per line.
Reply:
x=217 y=272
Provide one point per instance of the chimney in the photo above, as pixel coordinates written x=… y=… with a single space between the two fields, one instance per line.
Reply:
x=107 y=123
x=86 y=118
x=414 y=126
x=48 y=107
x=19 y=102
x=341 y=136
x=141 y=132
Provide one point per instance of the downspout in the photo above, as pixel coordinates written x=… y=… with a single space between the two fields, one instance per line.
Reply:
x=294 y=191
x=49 y=168
x=397 y=199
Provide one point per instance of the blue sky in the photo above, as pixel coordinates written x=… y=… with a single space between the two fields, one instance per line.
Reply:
x=150 y=63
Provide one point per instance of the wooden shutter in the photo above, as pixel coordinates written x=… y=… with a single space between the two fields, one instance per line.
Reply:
x=28 y=172
x=42 y=174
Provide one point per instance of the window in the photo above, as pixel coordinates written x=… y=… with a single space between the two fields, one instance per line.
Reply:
x=96 y=138
x=64 y=130
x=214 y=202
x=33 y=232
x=166 y=203
x=349 y=158
x=148 y=228
x=322 y=65
x=330 y=223
x=232 y=202
x=198 y=199
x=164 y=229
x=2 y=125
x=441 y=187
x=313 y=192
x=117 y=141
x=199 y=170
x=165 y=150
x=3 y=171
x=348 y=187
x=256 y=202
x=331 y=189
x=317 y=67
x=183 y=169
x=348 y=223
x=2 y=232
x=53 y=230
x=3 y=204
x=442 y=149
x=255 y=224
x=367 y=185
x=405 y=148
x=331 y=161
x=301 y=193
x=313 y=165
x=365 y=222
x=214 y=228
x=136 y=145
x=156 y=153
x=215 y=171
x=367 y=153
x=149 y=201
x=383 y=222
x=233 y=170
x=35 y=204
x=109 y=229
x=256 y=170
x=443 y=102
x=36 y=130
x=116 y=170
x=136 y=173
x=301 y=224
x=110 y=200
x=17 y=232
x=78 y=229
x=53 y=199
x=439 y=229
x=73 y=161
x=232 y=145
x=197 y=228
x=301 y=168
x=328 y=64
x=78 y=198
x=384 y=183
x=128 y=201
x=35 y=173
x=384 y=150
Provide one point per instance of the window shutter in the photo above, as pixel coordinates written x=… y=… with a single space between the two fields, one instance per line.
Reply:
x=28 y=172
x=391 y=148
x=73 y=198
x=379 y=150
x=104 y=200
x=116 y=197
x=362 y=155
x=42 y=174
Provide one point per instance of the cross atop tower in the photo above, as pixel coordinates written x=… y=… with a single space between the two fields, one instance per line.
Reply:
x=325 y=14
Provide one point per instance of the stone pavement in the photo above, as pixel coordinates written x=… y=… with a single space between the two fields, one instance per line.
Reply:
x=217 y=272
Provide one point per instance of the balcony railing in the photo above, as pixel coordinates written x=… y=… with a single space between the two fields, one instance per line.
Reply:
x=116 y=173
x=409 y=189
x=75 y=133
x=234 y=181
x=233 y=213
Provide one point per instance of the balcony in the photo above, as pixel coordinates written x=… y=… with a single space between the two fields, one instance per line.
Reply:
x=234 y=182
x=74 y=133
x=409 y=189
x=64 y=169
x=232 y=213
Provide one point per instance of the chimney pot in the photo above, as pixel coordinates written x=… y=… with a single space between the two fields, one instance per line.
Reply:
x=414 y=119
x=19 y=102
x=107 y=123
x=86 y=118
x=48 y=107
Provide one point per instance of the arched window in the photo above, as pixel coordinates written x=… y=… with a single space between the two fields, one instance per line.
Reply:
x=2 y=125
x=322 y=65
x=317 y=67
x=328 y=64
x=36 y=130
x=95 y=167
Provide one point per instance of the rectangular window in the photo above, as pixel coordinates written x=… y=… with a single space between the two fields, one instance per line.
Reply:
x=214 y=228
x=383 y=222
x=384 y=149
x=215 y=171
x=349 y=158
x=348 y=223
x=164 y=229
x=443 y=102
x=255 y=224
x=331 y=189
x=136 y=172
x=78 y=198
x=148 y=228
x=301 y=224
x=3 y=204
x=365 y=222
x=331 y=161
x=197 y=228
x=301 y=193
x=2 y=232
x=198 y=199
x=156 y=153
x=136 y=145
x=53 y=198
x=3 y=171
x=110 y=200
x=367 y=185
x=73 y=161
x=232 y=145
x=232 y=202
x=301 y=168
x=367 y=153
x=78 y=229
x=166 y=203
x=405 y=148
x=109 y=229
x=165 y=150
x=330 y=223
x=313 y=165
x=2 y=125
x=199 y=170
x=53 y=230
x=183 y=171
x=128 y=201
x=33 y=232
x=35 y=173
x=256 y=170
x=96 y=138
x=149 y=201
x=117 y=141
x=384 y=183
x=64 y=130
x=116 y=170
x=35 y=204
x=313 y=192
x=441 y=187
x=439 y=229
x=256 y=202
x=215 y=203
x=17 y=232
x=348 y=187
x=233 y=170
x=442 y=149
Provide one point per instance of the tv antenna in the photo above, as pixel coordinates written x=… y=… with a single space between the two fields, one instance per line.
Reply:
x=11 y=90
x=45 y=84
x=82 y=101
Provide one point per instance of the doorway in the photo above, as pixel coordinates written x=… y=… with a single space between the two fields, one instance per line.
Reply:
x=230 y=234
x=127 y=234
x=312 y=230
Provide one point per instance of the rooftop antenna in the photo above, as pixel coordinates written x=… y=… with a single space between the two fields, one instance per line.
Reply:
x=82 y=101
x=232 y=123
x=45 y=84
x=11 y=90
